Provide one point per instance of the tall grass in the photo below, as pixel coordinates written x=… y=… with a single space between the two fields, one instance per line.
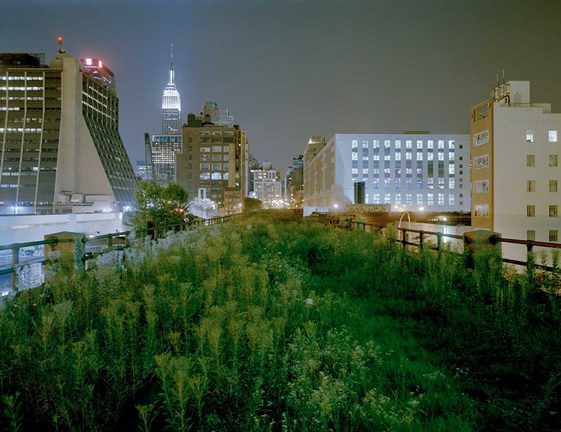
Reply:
x=272 y=324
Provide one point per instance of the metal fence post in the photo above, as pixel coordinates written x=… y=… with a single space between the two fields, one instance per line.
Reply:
x=68 y=243
x=15 y=264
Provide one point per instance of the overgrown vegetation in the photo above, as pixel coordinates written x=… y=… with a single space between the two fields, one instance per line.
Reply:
x=272 y=324
x=160 y=207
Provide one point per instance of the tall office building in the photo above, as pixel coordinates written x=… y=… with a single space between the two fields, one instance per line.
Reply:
x=160 y=149
x=214 y=163
x=267 y=187
x=59 y=136
x=294 y=182
x=171 y=104
x=515 y=156
x=162 y=156
x=411 y=169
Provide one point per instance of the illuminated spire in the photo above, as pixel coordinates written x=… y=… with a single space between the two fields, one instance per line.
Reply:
x=171 y=102
x=171 y=71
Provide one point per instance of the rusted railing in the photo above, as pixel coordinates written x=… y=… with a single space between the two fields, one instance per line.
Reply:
x=91 y=248
x=404 y=239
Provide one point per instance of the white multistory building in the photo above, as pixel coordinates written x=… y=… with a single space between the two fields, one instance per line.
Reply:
x=515 y=151
x=267 y=187
x=411 y=170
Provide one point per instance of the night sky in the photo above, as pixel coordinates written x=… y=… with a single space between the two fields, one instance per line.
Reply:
x=289 y=69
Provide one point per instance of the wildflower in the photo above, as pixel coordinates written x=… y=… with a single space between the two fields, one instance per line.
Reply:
x=309 y=302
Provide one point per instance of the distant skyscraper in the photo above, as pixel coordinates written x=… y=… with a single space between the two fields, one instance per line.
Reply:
x=162 y=156
x=59 y=132
x=171 y=104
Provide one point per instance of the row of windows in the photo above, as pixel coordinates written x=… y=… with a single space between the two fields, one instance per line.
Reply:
x=408 y=156
x=531 y=136
x=387 y=183
x=553 y=210
x=531 y=186
x=553 y=160
x=21 y=78
x=482 y=186
x=483 y=161
x=408 y=144
x=214 y=176
x=31 y=88
x=215 y=149
x=553 y=235
x=398 y=199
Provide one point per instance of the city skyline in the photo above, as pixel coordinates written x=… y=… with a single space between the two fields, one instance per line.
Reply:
x=302 y=68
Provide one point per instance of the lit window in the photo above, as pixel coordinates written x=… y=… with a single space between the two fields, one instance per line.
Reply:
x=531 y=186
x=482 y=161
x=364 y=144
x=354 y=156
x=553 y=185
x=553 y=160
x=430 y=199
x=354 y=144
x=553 y=235
x=398 y=144
x=451 y=144
x=482 y=210
x=530 y=160
x=419 y=198
x=481 y=186
x=430 y=156
x=451 y=168
x=451 y=183
x=386 y=144
x=419 y=156
x=531 y=210
x=440 y=199
x=376 y=144
x=419 y=144
x=387 y=198
x=481 y=138
x=408 y=144
x=441 y=144
x=552 y=136
x=553 y=212
x=530 y=136
x=430 y=144
x=451 y=199
x=531 y=235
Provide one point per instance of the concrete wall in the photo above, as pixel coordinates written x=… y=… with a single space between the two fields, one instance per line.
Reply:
x=27 y=228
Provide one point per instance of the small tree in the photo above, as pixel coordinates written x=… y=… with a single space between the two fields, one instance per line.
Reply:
x=160 y=207
x=250 y=204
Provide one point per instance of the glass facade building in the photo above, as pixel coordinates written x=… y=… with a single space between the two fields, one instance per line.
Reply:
x=59 y=135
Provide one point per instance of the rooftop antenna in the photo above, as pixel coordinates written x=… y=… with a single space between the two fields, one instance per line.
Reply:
x=171 y=70
x=59 y=42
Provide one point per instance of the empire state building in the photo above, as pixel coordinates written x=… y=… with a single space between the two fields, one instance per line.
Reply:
x=171 y=104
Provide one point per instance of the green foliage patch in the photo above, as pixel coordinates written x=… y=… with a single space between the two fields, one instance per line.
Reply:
x=268 y=324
